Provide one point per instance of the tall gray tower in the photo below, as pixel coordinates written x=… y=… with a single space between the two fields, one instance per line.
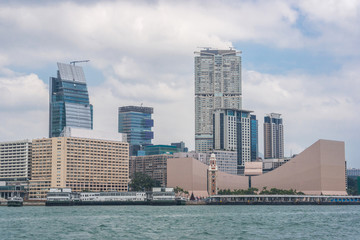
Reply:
x=273 y=136
x=217 y=85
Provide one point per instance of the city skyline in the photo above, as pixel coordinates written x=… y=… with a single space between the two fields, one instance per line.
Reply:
x=300 y=59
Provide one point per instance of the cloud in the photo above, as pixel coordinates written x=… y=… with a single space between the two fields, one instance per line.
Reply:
x=144 y=50
x=312 y=109
x=22 y=93
x=23 y=107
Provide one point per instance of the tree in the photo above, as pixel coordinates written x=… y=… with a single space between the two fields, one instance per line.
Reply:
x=352 y=186
x=143 y=182
x=179 y=190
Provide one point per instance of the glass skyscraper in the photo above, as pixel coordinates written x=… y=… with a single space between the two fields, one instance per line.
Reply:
x=136 y=122
x=69 y=100
x=217 y=85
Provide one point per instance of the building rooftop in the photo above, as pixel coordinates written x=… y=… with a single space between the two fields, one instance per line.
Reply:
x=71 y=72
x=93 y=134
x=141 y=109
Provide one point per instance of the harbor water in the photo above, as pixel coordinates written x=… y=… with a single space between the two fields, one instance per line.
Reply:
x=180 y=222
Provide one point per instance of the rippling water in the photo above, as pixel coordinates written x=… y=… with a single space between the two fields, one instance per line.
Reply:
x=181 y=222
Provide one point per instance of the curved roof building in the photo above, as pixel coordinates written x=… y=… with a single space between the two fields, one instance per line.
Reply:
x=319 y=169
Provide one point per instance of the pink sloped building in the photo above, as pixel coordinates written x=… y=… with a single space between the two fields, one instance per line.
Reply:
x=319 y=169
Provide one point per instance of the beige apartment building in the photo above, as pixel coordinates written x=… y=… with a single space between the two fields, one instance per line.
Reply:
x=82 y=164
x=154 y=166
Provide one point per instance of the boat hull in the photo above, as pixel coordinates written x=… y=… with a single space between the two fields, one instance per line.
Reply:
x=14 y=204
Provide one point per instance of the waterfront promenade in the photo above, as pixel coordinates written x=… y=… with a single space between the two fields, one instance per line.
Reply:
x=282 y=200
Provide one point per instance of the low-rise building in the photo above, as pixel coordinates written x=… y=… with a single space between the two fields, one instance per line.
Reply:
x=81 y=163
x=15 y=160
x=353 y=172
x=226 y=161
x=154 y=166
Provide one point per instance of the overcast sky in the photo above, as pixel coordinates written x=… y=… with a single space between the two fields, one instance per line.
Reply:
x=299 y=58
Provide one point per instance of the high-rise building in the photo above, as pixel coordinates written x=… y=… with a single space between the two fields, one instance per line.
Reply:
x=254 y=138
x=82 y=161
x=15 y=160
x=181 y=146
x=217 y=85
x=136 y=122
x=236 y=130
x=273 y=136
x=69 y=100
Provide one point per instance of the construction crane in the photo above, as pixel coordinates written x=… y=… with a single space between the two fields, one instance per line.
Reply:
x=73 y=62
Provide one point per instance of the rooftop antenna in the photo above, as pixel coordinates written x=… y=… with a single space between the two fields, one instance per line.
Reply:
x=73 y=62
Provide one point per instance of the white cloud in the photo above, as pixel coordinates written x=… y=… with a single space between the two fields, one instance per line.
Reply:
x=311 y=109
x=145 y=51
x=23 y=107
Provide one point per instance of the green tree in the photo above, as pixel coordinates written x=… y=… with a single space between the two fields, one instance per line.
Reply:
x=352 y=186
x=142 y=182
x=180 y=190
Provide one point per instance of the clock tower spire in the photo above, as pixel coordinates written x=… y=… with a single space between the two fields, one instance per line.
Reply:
x=212 y=175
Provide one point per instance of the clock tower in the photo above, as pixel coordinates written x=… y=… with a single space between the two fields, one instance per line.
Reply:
x=212 y=175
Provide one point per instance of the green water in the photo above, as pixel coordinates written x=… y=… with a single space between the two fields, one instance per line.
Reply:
x=181 y=222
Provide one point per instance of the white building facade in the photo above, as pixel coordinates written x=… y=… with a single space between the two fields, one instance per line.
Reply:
x=226 y=161
x=15 y=160
x=232 y=132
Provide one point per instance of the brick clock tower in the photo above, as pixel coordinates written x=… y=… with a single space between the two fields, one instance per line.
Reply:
x=212 y=175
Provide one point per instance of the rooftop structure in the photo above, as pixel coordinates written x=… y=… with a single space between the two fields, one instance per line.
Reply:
x=93 y=134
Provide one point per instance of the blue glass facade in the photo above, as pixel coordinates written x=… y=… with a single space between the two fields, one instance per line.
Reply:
x=69 y=100
x=160 y=149
x=136 y=122
x=254 y=137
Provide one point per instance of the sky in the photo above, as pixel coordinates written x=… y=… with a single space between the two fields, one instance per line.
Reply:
x=299 y=58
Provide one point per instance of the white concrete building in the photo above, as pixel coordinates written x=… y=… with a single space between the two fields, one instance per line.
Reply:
x=15 y=160
x=233 y=132
x=226 y=161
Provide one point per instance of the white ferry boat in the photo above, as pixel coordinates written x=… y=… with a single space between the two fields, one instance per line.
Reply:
x=15 y=202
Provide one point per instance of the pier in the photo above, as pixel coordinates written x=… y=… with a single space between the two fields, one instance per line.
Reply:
x=282 y=200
